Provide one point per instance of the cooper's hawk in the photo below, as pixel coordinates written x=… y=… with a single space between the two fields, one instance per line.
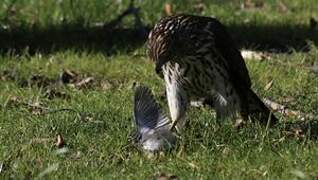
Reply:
x=198 y=59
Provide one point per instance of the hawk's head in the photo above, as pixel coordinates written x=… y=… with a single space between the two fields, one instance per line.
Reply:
x=169 y=40
x=158 y=45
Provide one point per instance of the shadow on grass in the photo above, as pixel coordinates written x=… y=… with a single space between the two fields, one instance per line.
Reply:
x=56 y=38
x=110 y=40
x=280 y=38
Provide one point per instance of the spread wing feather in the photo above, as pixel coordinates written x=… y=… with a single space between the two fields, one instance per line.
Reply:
x=147 y=112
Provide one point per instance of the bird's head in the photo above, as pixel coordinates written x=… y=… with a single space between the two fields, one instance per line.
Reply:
x=161 y=46
x=166 y=46
x=159 y=51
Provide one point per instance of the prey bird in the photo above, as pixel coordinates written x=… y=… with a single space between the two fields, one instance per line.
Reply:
x=198 y=59
x=154 y=132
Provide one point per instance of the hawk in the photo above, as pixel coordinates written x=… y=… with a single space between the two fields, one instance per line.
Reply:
x=198 y=59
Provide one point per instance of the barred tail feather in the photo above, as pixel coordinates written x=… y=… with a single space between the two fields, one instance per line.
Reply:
x=224 y=107
x=258 y=111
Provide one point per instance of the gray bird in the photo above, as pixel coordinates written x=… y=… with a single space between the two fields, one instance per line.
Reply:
x=199 y=60
x=153 y=126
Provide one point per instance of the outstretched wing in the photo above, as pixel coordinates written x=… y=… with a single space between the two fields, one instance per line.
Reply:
x=147 y=112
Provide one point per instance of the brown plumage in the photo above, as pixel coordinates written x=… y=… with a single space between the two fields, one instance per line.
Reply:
x=198 y=59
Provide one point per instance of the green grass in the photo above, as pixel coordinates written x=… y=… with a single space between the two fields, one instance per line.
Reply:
x=96 y=135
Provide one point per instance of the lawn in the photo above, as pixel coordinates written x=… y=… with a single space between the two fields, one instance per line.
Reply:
x=66 y=91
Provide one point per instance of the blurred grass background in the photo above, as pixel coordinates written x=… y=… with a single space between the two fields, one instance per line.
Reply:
x=50 y=24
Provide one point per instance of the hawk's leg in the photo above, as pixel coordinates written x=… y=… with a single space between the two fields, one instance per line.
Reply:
x=178 y=102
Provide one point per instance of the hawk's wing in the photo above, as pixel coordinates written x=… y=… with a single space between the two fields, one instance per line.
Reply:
x=227 y=48
x=172 y=35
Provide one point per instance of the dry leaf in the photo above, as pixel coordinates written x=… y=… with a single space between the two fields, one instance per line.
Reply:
x=299 y=133
x=40 y=81
x=105 y=85
x=200 y=6
x=249 y=54
x=269 y=85
x=76 y=80
x=296 y=132
x=248 y=4
x=197 y=103
x=273 y=105
x=239 y=123
x=59 y=141
x=53 y=93
x=282 y=7
x=226 y=151
x=68 y=76
x=168 y=9
x=78 y=155
x=87 y=117
x=13 y=101
x=85 y=82
x=36 y=108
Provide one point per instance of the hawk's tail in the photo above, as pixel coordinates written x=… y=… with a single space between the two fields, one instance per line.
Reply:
x=258 y=111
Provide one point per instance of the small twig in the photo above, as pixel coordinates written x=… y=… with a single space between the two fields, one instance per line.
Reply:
x=50 y=111
x=285 y=111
